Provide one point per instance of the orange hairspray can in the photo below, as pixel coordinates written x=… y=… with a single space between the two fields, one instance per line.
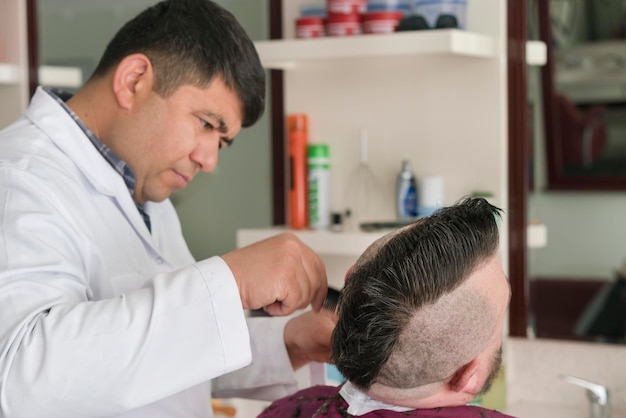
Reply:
x=297 y=128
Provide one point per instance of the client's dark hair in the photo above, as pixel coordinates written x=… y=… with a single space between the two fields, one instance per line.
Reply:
x=400 y=323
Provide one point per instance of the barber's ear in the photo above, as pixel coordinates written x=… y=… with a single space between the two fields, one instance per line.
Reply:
x=465 y=379
x=134 y=74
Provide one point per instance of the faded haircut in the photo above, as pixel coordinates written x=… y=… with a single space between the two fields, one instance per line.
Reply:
x=401 y=323
x=190 y=42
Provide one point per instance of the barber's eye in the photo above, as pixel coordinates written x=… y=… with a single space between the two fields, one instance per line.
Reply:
x=205 y=124
x=225 y=142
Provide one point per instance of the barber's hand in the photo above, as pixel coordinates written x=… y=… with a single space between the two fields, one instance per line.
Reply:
x=279 y=274
x=307 y=337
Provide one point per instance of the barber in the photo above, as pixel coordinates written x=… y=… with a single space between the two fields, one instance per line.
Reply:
x=103 y=310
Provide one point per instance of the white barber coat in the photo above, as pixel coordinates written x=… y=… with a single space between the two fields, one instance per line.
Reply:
x=98 y=316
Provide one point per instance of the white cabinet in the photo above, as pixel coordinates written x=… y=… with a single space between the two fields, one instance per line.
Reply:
x=288 y=54
x=62 y=77
x=53 y=76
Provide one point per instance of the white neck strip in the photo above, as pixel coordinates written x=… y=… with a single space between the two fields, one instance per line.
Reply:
x=360 y=404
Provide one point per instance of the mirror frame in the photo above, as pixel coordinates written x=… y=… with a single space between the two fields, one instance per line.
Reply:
x=553 y=136
x=277 y=123
x=518 y=160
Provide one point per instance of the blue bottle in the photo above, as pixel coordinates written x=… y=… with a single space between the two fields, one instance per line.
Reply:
x=406 y=193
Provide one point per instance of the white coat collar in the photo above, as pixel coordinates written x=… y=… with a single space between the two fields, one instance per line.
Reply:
x=57 y=124
x=45 y=113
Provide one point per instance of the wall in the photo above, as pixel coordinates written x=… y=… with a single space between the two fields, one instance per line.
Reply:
x=238 y=193
x=405 y=117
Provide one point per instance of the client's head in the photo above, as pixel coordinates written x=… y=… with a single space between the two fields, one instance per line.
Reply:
x=422 y=310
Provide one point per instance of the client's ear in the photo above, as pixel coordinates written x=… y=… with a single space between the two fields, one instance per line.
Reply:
x=348 y=272
x=465 y=379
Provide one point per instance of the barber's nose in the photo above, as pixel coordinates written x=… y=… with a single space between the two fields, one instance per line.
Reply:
x=206 y=154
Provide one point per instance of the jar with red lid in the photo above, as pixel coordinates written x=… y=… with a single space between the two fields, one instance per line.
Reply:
x=309 y=27
x=346 y=7
x=343 y=25
x=381 y=22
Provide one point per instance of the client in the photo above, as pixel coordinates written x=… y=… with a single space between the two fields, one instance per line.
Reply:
x=420 y=319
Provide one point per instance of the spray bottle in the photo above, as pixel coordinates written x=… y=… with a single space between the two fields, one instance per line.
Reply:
x=406 y=193
x=297 y=148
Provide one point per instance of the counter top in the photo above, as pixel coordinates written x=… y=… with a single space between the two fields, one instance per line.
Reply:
x=538 y=410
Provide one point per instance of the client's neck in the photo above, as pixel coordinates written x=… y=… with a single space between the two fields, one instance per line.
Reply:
x=432 y=395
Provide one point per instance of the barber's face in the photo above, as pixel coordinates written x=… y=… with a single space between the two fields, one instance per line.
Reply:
x=172 y=139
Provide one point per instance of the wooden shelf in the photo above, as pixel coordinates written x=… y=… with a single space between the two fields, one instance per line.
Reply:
x=9 y=74
x=287 y=54
x=354 y=243
x=536 y=235
x=536 y=53
x=51 y=76
x=322 y=242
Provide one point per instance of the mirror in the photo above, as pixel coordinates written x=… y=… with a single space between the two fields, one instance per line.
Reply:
x=578 y=108
x=584 y=94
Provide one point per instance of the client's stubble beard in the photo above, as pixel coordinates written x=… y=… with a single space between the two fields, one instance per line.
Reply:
x=495 y=369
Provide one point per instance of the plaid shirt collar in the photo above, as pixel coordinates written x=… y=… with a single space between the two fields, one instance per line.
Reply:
x=116 y=162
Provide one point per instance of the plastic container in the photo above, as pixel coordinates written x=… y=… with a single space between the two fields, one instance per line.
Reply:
x=313 y=10
x=297 y=148
x=441 y=14
x=403 y=6
x=343 y=25
x=381 y=22
x=336 y=222
x=346 y=7
x=406 y=193
x=309 y=27
x=319 y=186
x=430 y=195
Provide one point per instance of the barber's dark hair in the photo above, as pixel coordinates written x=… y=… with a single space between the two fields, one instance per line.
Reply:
x=400 y=275
x=192 y=42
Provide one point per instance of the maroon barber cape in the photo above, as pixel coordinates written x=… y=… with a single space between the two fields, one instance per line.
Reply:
x=325 y=401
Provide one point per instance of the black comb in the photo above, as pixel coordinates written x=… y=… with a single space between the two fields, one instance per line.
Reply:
x=332 y=300
x=330 y=303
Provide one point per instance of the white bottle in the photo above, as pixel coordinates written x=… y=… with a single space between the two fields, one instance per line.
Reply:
x=430 y=195
x=406 y=193
x=319 y=186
